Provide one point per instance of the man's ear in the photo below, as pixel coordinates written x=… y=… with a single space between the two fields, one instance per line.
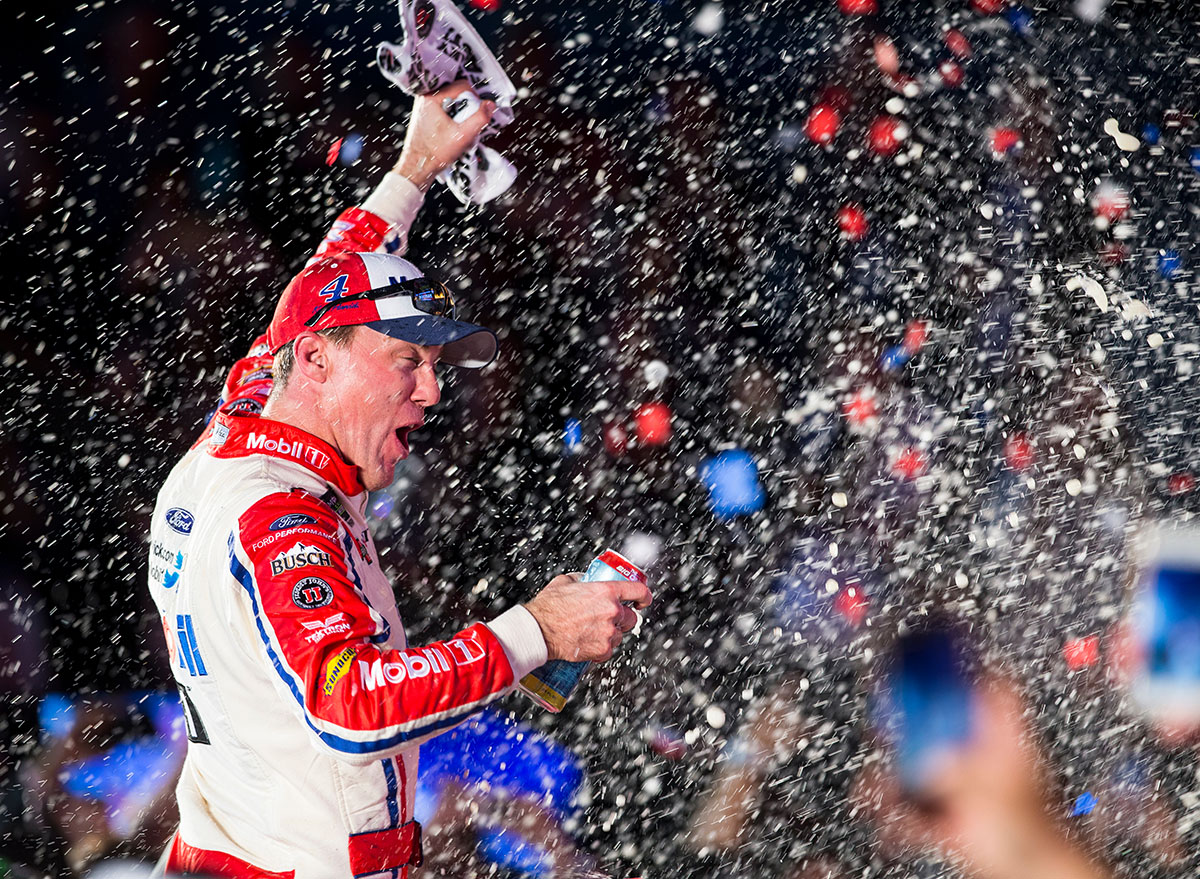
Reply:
x=312 y=355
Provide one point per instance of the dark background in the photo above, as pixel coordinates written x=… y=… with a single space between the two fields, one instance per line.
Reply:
x=164 y=173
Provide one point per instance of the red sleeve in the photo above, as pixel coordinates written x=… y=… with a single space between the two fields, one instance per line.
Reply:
x=291 y=555
x=354 y=231
x=246 y=387
x=249 y=379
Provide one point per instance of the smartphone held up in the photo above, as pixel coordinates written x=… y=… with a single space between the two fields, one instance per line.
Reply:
x=1163 y=641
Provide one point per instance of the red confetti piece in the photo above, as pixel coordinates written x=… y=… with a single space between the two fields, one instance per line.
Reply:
x=1110 y=202
x=616 y=440
x=822 y=124
x=858 y=7
x=486 y=5
x=1114 y=254
x=910 y=464
x=332 y=155
x=915 y=335
x=885 y=134
x=958 y=44
x=860 y=407
x=1019 y=452
x=669 y=744
x=852 y=605
x=1082 y=652
x=1004 y=140
x=886 y=56
x=652 y=424
x=1174 y=118
x=951 y=73
x=987 y=7
x=852 y=221
x=1181 y=483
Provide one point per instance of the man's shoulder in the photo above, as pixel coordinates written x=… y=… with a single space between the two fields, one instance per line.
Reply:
x=287 y=511
x=214 y=491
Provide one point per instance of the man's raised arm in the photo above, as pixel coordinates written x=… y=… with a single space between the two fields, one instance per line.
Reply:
x=432 y=143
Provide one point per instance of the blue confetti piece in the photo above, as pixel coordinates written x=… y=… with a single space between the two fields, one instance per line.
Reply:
x=572 y=436
x=1194 y=158
x=894 y=358
x=1084 y=804
x=382 y=505
x=1151 y=134
x=1169 y=263
x=56 y=713
x=1020 y=19
x=352 y=147
x=733 y=486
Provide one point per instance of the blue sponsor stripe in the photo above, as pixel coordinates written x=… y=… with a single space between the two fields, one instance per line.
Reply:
x=347 y=746
x=185 y=644
x=393 y=805
x=348 y=547
x=200 y=669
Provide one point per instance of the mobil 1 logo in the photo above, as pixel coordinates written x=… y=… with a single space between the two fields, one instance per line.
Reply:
x=311 y=593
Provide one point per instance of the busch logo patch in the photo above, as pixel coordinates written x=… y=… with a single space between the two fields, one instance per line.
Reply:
x=299 y=556
x=311 y=593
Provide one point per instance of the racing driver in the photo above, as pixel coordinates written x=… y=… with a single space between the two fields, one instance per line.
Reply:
x=303 y=701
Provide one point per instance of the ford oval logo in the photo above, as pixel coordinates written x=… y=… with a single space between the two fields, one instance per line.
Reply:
x=292 y=520
x=180 y=520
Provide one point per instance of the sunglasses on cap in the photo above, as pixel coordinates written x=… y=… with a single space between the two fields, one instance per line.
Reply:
x=427 y=296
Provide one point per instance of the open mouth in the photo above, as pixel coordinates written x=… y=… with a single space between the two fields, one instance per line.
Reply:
x=402 y=435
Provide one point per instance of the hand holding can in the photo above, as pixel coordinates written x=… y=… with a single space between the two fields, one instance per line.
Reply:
x=583 y=622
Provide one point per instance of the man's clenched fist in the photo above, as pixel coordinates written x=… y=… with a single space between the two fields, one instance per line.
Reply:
x=586 y=621
x=434 y=141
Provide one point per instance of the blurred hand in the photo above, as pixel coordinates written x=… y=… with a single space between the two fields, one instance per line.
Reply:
x=434 y=141
x=985 y=808
x=586 y=621
x=774 y=725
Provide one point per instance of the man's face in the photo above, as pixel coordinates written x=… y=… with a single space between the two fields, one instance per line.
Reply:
x=379 y=390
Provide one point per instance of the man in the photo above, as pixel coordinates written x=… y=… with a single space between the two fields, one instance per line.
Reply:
x=303 y=701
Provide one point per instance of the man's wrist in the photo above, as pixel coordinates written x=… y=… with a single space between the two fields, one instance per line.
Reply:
x=531 y=607
x=521 y=636
x=416 y=170
x=396 y=200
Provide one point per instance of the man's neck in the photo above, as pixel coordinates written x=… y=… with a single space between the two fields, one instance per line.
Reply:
x=303 y=414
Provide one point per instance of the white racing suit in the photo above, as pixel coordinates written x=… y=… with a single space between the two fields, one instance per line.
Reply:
x=303 y=700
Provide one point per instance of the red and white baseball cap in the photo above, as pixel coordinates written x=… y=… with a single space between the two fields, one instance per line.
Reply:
x=385 y=293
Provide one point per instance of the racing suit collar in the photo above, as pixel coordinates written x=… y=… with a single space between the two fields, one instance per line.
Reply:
x=237 y=435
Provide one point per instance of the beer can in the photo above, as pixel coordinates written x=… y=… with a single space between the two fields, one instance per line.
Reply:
x=551 y=685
